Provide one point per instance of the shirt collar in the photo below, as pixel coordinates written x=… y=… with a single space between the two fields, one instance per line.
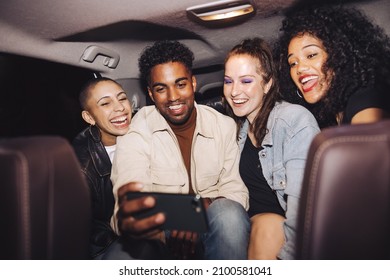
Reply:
x=201 y=127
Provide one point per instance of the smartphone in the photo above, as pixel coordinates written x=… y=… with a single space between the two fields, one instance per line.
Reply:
x=183 y=212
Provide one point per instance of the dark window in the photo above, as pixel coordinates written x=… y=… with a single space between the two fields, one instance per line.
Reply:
x=212 y=97
x=40 y=97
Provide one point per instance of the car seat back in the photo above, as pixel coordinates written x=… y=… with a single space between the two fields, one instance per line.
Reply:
x=45 y=204
x=345 y=211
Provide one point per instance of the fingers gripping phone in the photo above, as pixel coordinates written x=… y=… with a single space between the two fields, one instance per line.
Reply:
x=183 y=212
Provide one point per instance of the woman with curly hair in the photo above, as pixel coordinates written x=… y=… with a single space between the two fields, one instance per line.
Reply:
x=336 y=63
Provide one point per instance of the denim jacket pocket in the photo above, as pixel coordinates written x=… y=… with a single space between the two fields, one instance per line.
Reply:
x=279 y=185
x=279 y=178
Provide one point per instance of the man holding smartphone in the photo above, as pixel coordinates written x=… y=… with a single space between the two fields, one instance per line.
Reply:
x=178 y=146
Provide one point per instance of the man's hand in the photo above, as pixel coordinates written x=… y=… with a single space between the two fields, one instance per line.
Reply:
x=138 y=228
x=182 y=244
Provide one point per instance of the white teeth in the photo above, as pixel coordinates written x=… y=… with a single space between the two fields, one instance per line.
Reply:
x=120 y=119
x=175 y=107
x=239 y=101
x=306 y=79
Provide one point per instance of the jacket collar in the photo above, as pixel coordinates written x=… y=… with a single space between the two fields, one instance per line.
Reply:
x=98 y=152
x=267 y=141
x=158 y=123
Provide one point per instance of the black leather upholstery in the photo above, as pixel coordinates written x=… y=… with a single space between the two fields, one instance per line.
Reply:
x=345 y=212
x=45 y=205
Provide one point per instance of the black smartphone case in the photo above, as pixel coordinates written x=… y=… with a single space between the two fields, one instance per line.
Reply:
x=182 y=212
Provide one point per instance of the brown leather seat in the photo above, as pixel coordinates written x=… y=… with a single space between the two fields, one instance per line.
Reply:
x=345 y=212
x=45 y=205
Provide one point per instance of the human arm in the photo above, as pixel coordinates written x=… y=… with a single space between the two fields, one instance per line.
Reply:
x=367 y=105
x=369 y=115
x=131 y=164
x=138 y=228
x=146 y=154
x=230 y=183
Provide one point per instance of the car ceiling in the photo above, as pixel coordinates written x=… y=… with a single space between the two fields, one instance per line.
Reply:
x=62 y=30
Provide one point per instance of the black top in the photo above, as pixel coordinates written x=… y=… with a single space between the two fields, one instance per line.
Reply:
x=261 y=197
x=369 y=97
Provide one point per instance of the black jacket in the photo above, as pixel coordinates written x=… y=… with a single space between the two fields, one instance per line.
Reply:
x=96 y=166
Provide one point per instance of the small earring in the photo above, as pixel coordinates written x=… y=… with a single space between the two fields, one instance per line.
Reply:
x=298 y=93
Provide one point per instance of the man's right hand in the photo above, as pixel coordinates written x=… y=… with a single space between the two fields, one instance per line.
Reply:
x=138 y=228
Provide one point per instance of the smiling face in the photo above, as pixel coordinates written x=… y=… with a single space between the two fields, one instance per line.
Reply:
x=244 y=87
x=306 y=57
x=108 y=108
x=172 y=89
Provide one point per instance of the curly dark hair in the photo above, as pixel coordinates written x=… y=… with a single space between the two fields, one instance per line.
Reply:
x=261 y=51
x=162 y=52
x=358 y=55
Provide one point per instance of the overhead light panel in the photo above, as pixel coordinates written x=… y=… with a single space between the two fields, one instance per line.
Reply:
x=221 y=11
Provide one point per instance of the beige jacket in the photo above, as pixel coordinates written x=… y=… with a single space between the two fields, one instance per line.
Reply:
x=150 y=153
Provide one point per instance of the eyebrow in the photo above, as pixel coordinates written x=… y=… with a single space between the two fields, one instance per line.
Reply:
x=106 y=96
x=242 y=76
x=120 y=93
x=310 y=45
x=176 y=81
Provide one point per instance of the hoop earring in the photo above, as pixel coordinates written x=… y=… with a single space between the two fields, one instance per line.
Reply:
x=298 y=93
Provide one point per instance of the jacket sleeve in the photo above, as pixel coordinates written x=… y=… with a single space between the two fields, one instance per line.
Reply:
x=295 y=154
x=231 y=184
x=131 y=164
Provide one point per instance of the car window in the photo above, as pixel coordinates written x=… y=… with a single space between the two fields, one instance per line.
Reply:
x=40 y=97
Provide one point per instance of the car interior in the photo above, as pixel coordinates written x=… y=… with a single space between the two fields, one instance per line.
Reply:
x=49 y=49
x=45 y=198
x=345 y=202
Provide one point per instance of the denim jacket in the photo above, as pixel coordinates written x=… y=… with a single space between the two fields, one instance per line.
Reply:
x=150 y=153
x=291 y=129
